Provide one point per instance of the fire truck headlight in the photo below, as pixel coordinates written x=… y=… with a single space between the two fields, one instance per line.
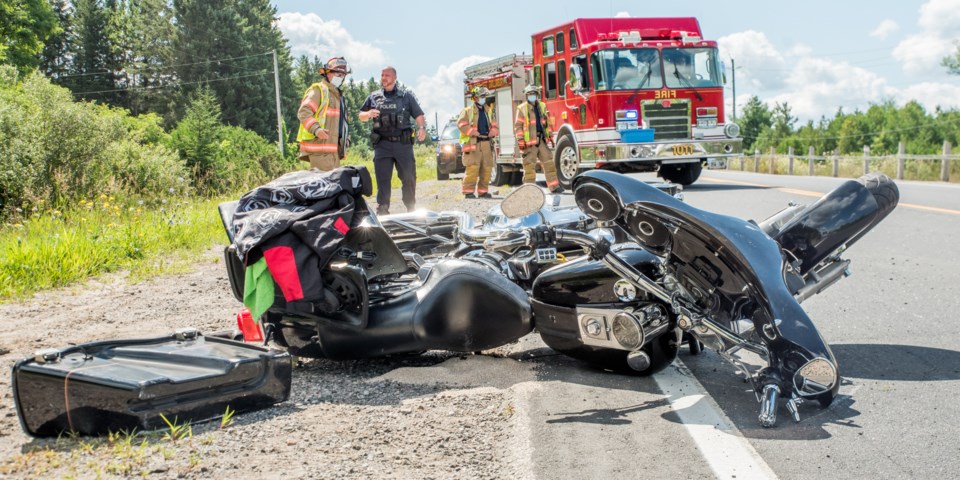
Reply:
x=731 y=130
x=448 y=148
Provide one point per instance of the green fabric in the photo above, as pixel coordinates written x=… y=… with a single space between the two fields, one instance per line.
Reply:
x=257 y=288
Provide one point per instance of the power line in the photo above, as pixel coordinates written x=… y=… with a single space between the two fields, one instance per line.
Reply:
x=177 y=84
x=165 y=66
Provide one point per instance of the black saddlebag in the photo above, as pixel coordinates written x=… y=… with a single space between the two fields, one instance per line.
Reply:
x=109 y=386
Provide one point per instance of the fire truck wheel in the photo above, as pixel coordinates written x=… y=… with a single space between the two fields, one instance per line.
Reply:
x=684 y=173
x=568 y=161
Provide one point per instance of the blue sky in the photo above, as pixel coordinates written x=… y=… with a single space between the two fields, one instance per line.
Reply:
x=816 y=55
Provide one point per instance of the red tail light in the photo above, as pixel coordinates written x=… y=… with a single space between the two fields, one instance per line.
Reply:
x=250 y=329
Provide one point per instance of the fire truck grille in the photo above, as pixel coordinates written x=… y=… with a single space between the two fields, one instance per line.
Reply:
x=670 y=122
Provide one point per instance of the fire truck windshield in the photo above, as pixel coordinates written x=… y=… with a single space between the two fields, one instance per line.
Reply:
x=691 y=67
x=641 y=68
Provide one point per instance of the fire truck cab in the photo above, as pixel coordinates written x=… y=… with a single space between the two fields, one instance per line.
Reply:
x=628 y=94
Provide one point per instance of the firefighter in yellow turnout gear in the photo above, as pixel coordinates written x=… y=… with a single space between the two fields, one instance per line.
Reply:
x=323 y=128
x=534 y=128
x=478 y=128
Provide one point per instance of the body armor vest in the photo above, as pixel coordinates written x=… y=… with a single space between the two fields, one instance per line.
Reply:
x=394 y=114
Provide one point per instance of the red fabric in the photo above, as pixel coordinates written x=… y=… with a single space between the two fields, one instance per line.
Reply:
x=341 y=226
x=283 y=268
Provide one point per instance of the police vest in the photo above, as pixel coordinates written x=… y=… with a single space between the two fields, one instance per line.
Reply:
x=394 y=112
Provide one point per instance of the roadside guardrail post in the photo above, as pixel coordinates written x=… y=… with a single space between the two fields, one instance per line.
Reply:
x=945 y=163
x=773 y=160
x=790 y=161
x=836 y=162
x=901 y=161
x=741 y=161
x=866 y=159
x=756 y=160
x=810 y=152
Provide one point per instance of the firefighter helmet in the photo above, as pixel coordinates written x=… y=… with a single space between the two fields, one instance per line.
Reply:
x=477 y=92
x=531 y=89
x=336 y=65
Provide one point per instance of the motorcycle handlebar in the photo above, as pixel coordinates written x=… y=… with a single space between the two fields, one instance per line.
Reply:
x=508 y=241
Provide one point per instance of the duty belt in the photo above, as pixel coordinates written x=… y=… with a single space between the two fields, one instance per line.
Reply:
x=483 y=139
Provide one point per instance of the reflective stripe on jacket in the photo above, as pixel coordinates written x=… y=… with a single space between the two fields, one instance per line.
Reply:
x=320 y=102
x=467 y=123
x=526 y=125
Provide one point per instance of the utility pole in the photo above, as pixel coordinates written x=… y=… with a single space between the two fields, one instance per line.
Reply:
x=733 y=75
x=276 y=83
x=436 y=121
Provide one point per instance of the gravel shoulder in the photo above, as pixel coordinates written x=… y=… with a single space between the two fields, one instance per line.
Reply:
x=428 y=416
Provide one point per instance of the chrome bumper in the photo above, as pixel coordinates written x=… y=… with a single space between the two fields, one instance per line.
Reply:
x=664 y=152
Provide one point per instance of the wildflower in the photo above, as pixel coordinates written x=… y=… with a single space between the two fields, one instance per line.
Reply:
x=139 y=202
x=103 y=196
x=164 y=201
x=171 y=190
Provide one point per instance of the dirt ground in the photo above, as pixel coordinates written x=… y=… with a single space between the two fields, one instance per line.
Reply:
x=343 y=420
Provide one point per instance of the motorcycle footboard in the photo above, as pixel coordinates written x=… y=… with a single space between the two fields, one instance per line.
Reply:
x=127 y=385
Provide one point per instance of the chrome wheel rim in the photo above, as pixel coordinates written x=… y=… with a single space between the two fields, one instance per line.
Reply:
x=569 y=163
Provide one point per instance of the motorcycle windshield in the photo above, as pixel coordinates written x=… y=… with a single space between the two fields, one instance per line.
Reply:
x=721 y=256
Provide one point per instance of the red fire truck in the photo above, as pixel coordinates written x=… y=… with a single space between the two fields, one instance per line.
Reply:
x=629 y=94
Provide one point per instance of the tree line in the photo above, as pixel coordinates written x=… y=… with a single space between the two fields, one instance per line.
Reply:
x=153 y=56
x=882 y=127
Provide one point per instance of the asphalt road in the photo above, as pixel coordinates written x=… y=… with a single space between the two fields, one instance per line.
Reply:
x=892 y=326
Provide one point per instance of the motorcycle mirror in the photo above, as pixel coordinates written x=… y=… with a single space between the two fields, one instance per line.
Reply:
x=523 y=201
x=815 y=377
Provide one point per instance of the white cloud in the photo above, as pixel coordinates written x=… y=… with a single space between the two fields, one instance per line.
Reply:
x=311 y=35
x=816 y=87
x=931 y=95
x=885 y=28
x=922 y=53
x=940 y=16
x=759 y=65
x=442 y=92
x=622 y=15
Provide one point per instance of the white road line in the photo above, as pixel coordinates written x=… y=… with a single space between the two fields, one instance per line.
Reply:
x=723 y=447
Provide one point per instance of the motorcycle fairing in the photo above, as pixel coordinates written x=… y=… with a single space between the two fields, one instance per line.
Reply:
x=733 y=257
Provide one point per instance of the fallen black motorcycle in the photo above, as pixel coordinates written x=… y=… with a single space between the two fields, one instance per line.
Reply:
x=662 y=269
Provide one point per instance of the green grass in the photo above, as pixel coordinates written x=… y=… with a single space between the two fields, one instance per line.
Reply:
x=52 y=248
x=426 y=158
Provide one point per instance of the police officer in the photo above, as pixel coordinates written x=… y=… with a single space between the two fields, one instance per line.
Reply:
x=478 y=127
x=323 y=118
x=391 y=108
x=534 y=130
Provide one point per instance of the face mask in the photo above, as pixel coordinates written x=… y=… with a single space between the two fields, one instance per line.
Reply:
x=337 y=80
x=532 y=98
x=481 y=101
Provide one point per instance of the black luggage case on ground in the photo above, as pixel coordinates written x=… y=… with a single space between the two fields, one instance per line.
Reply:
x=109 y=386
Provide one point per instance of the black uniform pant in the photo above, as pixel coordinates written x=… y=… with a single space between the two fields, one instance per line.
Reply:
x=386 y=154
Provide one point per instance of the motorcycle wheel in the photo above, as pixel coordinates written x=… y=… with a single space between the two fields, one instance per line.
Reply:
x=662 y=351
